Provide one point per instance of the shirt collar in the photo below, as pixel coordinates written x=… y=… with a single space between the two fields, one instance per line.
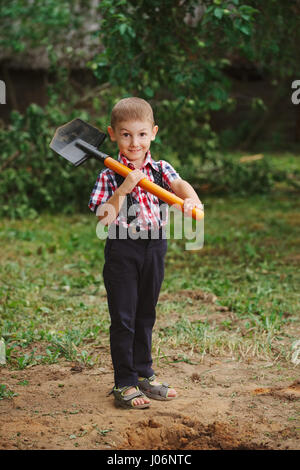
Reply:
x=148 y=160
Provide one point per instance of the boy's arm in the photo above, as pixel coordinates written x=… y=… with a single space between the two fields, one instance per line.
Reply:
x=185 y=191
x=109 y=211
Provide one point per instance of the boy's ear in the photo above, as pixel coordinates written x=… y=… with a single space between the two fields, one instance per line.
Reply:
x=111 y=133
x=154 y=132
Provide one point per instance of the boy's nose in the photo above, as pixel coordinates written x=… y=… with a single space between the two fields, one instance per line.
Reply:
x=134 y=141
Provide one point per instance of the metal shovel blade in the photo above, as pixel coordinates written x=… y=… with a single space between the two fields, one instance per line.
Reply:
x=65 y=137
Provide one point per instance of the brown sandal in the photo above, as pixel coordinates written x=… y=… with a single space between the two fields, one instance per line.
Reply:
x=126 y=401
x=157 y=392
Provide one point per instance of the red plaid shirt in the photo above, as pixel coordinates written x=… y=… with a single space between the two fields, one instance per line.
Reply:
x=149 y=214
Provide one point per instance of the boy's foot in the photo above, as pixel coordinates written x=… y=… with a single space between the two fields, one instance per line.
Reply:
x=130 y=397
x=156 y=390
x=137 y=401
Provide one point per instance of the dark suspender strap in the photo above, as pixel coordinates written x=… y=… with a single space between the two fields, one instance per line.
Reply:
x=158 y=179
x=130 y=199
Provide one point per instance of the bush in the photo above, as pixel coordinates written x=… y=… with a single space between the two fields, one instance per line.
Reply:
x=227 y=176
x=33 y=177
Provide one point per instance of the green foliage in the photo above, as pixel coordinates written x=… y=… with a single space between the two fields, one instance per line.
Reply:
x=154 y=46
x=225 y=174
x=26 y=24
x=174 y=55
x=32 y=176
x=276 y=37
x=5 y=392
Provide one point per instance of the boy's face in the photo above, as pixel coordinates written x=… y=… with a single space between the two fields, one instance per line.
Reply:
x=133 y=138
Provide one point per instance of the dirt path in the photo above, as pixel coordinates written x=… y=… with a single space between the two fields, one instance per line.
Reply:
x=221 y=404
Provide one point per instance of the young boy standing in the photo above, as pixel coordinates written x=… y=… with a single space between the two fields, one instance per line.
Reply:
x=134 y=265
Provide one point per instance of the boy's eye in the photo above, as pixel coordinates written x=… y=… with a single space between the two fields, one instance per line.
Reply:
x=142 y=134
x=125 y=134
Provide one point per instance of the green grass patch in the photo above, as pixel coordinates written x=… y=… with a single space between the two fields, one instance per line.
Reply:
x=6 y=393
x=52 y=297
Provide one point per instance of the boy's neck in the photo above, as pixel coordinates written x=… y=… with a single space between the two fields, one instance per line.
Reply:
x=138 y=164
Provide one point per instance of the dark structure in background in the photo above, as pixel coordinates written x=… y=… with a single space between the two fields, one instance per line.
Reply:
x=278 y=124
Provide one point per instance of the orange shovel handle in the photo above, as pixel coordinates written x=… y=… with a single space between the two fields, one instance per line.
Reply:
x=153 y=188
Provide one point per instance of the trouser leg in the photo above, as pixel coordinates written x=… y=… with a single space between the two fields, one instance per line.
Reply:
x=121 y=283
x=133 y=273
x=122 y=306
x=150 y=282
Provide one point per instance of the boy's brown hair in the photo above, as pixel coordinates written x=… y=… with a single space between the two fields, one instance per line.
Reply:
x=131 y=109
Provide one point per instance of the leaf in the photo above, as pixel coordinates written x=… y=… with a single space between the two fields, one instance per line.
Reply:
x=123 y=28
x=218 y=13
x=245 y=29
x=149 y=92
x=103 y=432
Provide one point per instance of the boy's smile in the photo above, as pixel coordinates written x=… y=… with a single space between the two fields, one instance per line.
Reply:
x=133 y=139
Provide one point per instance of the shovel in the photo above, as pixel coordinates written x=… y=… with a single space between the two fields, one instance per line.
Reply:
x=77 y=141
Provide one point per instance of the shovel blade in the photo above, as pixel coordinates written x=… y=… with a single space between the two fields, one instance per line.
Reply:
x=64 y=140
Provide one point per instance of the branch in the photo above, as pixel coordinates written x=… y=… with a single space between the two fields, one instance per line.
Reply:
x=251 y=158
x=92 y=92
x=293 y=182
x=9 y=160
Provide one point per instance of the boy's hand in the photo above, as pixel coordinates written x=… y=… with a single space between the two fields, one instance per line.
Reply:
x=189 y=204
x=131 y=181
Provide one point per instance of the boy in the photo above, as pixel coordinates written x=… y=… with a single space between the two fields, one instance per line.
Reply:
x=134 y=265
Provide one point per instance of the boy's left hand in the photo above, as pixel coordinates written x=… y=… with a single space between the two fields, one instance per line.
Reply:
x=189 y=204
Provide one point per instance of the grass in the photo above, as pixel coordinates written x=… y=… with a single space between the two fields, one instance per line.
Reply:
x=52 y=296
x=249 y=261
x=5 y=392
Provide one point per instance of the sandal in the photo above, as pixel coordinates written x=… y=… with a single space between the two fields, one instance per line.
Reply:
x=126 y=401
x=157 y=392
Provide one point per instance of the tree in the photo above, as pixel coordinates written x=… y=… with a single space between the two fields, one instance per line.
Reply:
x=174 y=53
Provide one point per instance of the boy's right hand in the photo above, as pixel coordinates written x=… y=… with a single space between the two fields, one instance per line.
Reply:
x=131 y=181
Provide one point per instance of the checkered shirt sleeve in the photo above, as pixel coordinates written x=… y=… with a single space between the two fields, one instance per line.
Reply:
x=104 y=188
x=169 y=174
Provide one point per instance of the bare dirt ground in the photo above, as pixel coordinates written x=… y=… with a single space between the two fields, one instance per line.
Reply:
x=221 y=404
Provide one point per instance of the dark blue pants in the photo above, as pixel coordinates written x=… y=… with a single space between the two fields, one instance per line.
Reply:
x=133 y=273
